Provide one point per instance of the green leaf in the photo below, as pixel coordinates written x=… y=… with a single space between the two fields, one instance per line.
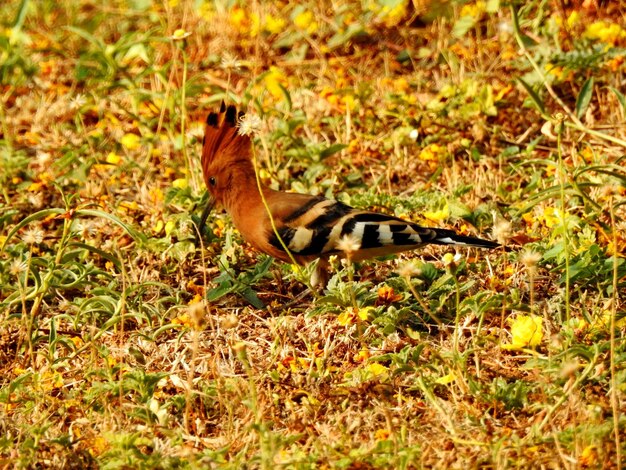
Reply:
x=584 y=97
x=333 y=149
x=463 y=25
x=533 y=95
x=137 y=236
x=251 y=297
x=36 y=216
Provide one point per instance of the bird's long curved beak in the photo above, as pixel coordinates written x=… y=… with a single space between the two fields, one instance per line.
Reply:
x=205 y=214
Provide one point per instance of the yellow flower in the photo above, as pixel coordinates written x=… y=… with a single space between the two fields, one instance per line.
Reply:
x=180 y=34
x=180 y=183
x=362 y=355
x=352 y=315
x=273 y=81
x=183 y=320
x=474 y=9
x=526 y=331
x=393 y=15
x=130 y=141
x=382 y=434
x=113 y=158
x=589 y=456
x=609 y=33
x=155 y=194
x=239 y=19
x=127 y=206
x=305 y=21
x=386 y=295
x=376 y=369
x=432 y=152
x=437 y=216
x=446 y=379
x=573 y=18
x=274 y=25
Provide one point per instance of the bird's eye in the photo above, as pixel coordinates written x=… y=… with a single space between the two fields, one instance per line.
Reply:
x=212 y=181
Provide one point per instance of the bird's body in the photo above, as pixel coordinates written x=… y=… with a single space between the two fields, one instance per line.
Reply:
x=311 y=227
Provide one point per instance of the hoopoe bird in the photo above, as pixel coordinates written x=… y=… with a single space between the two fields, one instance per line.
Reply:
x=310 y=227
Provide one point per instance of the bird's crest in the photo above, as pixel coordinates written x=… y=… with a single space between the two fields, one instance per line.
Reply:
x=222 y=141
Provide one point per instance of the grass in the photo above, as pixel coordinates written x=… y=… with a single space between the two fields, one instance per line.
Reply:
x=126 y=345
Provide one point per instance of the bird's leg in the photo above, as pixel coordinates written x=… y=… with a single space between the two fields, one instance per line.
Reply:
x=321 y=275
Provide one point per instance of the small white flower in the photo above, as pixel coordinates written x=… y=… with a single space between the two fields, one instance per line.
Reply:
x=78 y=101
x=43 y=157
x=505 y=27
x=18 y=266
x=409 y=269
x=502 y=231
x=530 y=259
x=230 y=62
x=35 y=200
x=33 y=236
x=349 y=244
x=249 y=124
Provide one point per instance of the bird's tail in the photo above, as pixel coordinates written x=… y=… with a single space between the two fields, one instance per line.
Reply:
x=449 y=237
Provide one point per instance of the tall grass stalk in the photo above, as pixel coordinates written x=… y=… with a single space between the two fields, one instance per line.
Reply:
x=566 y=238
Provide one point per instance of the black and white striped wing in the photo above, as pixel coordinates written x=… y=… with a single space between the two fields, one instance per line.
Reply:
x=321 y=226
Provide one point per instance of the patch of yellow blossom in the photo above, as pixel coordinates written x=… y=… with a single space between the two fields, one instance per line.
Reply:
x=386 y=295
x=127 y=206
x=96 y=445
x=508 y=274
x=376 y=370
x=474 y=9
x=608 y=33
x=131 y=141
x=339 y=101
x=526 y=331
x=273 y=80
x=362 y=356
x=52 y=380
x=206 y=11
x=352 y=315
x=183 y=320
x=170 y=225
x=548 y=217
x=615 y=64
x=294 y=364
x=239 y=19
x=274 y=24
x=446 y=379
x=113 y=158
x=572 y=20
x=556 y=71
x=589 y=457
x=180 y=34
x=155 y=195
x=180 y=183
x=42 y=180
x=305 y=21
x=433 y=154
x=250 y=23
x=437 y=216
x=389 y=13
x=382 y=434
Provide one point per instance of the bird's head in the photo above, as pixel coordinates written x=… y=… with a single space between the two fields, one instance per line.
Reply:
x=225 y=154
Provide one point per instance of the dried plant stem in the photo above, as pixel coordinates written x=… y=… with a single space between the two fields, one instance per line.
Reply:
x=613 y=354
